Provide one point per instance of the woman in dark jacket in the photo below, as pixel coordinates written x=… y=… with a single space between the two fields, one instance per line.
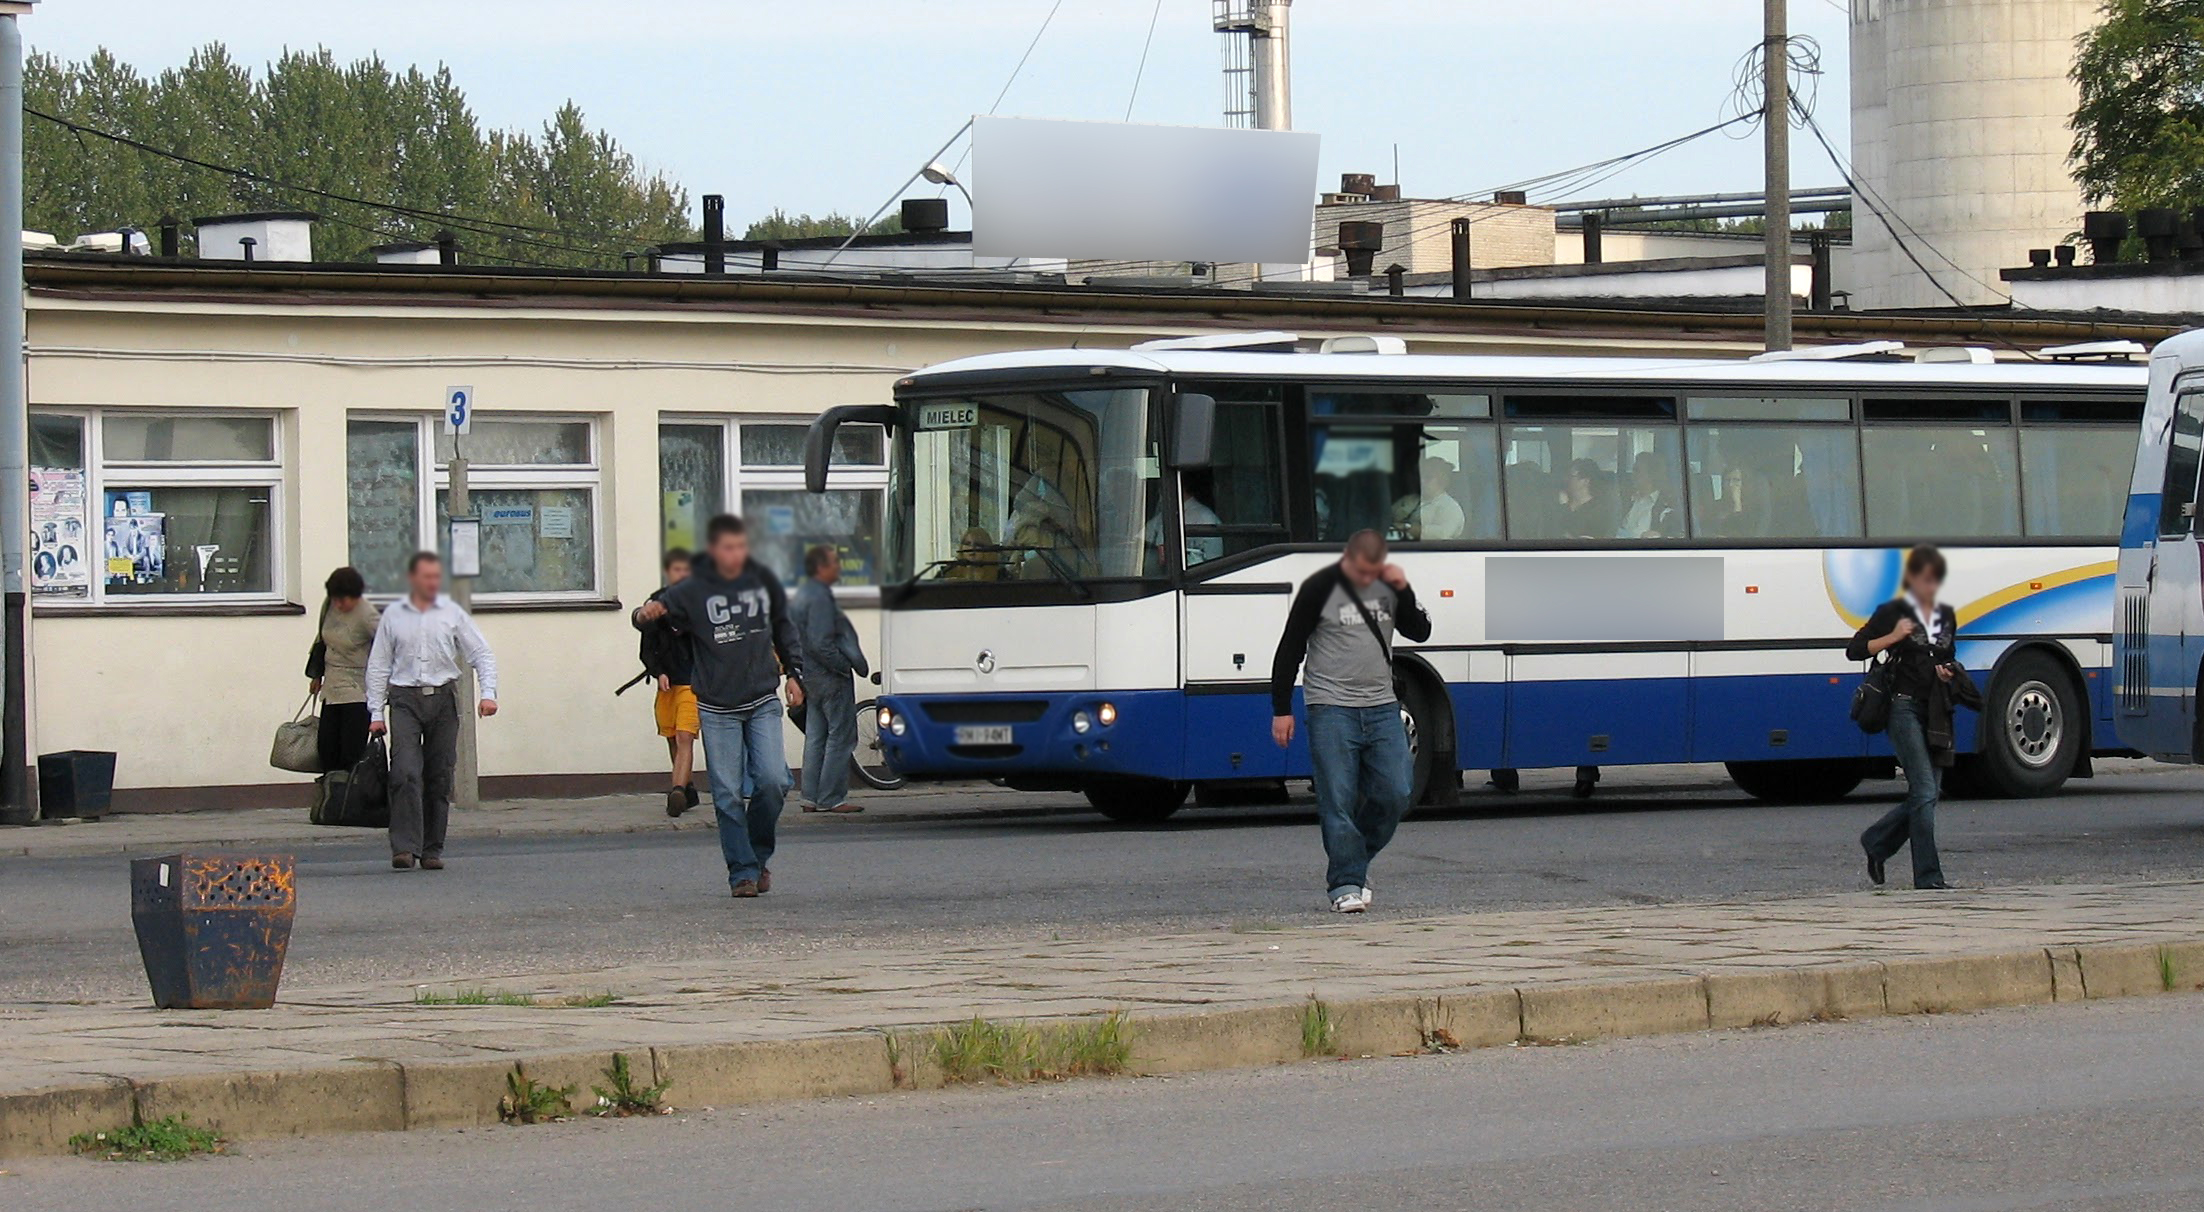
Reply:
x=1915 y=633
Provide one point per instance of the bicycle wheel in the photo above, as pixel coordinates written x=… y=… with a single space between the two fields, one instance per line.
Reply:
x=868 y=761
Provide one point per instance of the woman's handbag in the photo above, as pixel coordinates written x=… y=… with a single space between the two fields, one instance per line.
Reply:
x=298 y=743
x=1871 y=701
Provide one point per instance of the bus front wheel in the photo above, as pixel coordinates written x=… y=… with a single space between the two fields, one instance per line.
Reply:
x=2032 y=724
x=1804 y=782
x=1137 y=801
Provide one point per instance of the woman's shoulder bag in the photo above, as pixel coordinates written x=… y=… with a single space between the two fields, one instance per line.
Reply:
x=1871 y=700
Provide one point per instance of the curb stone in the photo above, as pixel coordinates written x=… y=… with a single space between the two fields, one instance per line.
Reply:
x=377 y=1095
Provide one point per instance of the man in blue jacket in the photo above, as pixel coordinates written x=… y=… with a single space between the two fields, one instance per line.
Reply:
x=741 y=642
x=832 y=662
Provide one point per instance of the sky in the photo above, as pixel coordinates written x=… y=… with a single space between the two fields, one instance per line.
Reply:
x=828 y=105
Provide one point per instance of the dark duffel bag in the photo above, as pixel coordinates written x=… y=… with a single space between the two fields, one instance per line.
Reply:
x=357 y=798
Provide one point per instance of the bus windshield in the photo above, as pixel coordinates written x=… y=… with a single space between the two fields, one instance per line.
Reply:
x=1026 y=486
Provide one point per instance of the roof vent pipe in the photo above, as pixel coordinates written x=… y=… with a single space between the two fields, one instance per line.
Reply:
x=1361 y=241
x=2160 y=227
x=925 y=216
x=246 y=243
x=2105 y=230
x=2064 y=254
x=171 y=229
x=447 y=248
x=715 y=234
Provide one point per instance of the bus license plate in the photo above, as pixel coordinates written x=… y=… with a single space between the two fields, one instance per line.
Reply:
x=983 y=734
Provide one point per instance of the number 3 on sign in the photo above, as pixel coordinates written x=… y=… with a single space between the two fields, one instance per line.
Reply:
x=458 y=409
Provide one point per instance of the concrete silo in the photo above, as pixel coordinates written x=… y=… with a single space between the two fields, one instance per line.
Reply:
x=1960 y=112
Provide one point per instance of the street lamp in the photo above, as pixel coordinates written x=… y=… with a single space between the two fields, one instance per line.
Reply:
x=939 y=174
x=18 y=786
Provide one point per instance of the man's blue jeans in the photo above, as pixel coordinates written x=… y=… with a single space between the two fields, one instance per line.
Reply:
x=742 y=753
x=1362 y=786
x=830 y=736
x=1913 y=821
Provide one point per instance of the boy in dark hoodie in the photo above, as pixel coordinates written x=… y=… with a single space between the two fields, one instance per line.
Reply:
x=665 y=654
x=734 y=614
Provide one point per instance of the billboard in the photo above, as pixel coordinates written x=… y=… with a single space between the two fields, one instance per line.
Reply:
x=1116 y=191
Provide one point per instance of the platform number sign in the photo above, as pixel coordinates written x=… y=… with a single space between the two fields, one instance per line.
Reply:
x=458 y=409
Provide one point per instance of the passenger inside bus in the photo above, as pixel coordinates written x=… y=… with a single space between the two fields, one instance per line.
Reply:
x=1439 y=517
x=1534 y=503
x=1651 y=512
x=1591 y=501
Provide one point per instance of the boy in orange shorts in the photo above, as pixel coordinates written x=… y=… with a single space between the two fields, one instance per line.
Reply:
x=665 y=654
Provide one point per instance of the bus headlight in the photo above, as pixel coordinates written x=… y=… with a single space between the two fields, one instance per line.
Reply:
x=890 y=722
x=1107 y=713
x=1080 y=723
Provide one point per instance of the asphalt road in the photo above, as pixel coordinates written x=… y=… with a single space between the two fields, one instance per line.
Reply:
x=2095 y=1107
x=971 y=873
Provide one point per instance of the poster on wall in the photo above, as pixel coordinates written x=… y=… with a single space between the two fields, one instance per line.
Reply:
x=60 y=563
x=137 y=540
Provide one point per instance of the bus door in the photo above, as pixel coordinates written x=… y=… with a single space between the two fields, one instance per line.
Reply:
x=2171 y=625
x=1232 y=621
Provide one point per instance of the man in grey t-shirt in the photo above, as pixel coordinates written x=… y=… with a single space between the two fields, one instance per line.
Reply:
x=1339 y=637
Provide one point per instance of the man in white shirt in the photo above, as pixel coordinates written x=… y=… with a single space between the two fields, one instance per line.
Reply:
x=412 y=679
x=1441 y=519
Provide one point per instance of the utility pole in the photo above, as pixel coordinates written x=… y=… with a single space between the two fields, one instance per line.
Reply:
x=18 y=785
x=458 y=418
x=1776 y=126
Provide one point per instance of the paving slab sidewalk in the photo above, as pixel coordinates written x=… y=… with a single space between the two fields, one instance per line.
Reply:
x=150 y=833
x=1538 y=974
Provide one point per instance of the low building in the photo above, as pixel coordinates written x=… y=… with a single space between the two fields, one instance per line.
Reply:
x=211 y=438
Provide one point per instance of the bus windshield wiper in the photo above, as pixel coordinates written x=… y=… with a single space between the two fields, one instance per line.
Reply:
x=1055 y=564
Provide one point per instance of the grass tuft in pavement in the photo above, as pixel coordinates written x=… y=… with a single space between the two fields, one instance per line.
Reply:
x=1319 y=1030
x=526 y=1102
x=2167 y=977
x=167 y=1139
x=624 y=1097
x=507 y=997
x=984 y=1051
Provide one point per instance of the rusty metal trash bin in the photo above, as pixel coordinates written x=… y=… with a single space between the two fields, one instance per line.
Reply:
x=213 y=928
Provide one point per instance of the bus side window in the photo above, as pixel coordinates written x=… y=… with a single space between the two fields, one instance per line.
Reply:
x=2183 y=457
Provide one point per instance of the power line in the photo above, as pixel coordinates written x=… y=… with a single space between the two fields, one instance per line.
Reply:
x=1038 y=34
x=1874 y=208
x=1142 y=70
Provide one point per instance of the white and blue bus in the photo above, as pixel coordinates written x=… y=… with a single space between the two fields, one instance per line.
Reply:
x=2160 y=647
x=1090 y=555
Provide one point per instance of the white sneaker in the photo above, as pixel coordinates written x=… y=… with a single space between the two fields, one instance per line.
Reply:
x=1349 y=902
x=1369 y=896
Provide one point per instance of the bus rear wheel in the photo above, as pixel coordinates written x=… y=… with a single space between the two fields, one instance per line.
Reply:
x=1137 y=801
x=1803 y=782
x=2031 y=723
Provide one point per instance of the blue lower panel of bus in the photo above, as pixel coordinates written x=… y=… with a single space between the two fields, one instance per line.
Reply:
x=1225 y=734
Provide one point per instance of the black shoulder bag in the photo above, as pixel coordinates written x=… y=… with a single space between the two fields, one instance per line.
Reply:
x=1871 y=701
x=317 y=657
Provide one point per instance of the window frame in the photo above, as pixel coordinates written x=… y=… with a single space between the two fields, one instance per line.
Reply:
x=100 y=478
x=500 y=477
x=736 y=478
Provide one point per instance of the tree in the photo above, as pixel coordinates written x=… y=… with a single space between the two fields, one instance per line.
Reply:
x=2139 y=127
x=405 y=143
x=780 y=225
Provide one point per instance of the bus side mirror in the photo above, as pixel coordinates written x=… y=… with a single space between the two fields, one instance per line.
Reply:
x=819 y=439
x=1193 y=431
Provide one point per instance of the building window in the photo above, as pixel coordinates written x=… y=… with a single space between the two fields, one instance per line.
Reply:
x=755 y=468
x=533 y=481
x=136 y=506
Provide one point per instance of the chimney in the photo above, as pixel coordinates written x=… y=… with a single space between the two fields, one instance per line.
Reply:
x=1358 y=183
x=926 y=216
x=2105 y=230
x=1385 y=193
x=447 y=248
x=2064 y=255
x=279 y=235
x=715 y=234
x=1511 y=197
x=1461 y=261
x=1595 y=226
x=171 y=241
x=2039 y=258
x=1361 y=241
